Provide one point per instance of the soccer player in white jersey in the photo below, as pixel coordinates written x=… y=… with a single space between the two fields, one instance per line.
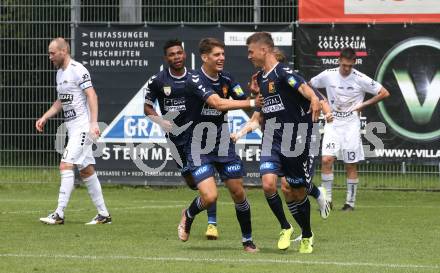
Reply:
x=79 y=102
x=346 y=88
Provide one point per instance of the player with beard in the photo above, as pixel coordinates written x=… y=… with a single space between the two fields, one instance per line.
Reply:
x=78 y=101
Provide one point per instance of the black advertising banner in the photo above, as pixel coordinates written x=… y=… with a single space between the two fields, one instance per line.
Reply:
x=121 y=58
x=405 y=59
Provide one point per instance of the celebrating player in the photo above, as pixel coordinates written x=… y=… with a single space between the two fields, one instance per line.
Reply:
x=168 y=88
x=290 y=106
x=210 y=89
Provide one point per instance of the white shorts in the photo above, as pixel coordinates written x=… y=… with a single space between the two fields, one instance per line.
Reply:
x=78 y=150
x=342 y=139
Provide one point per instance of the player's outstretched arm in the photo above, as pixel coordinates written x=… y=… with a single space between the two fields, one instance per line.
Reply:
x=92 y=101
x=315 y=106
x=53 y=110
x=250 y=126
x=221 y=104
x=382 y=94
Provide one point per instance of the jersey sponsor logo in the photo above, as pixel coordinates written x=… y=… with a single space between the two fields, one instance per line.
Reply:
x=238 y=91
x=167 y=90
x=273 y=104
x=209 y=111
x=69 y=114
x=175 y=104
x=291 y=81
x=271 y=87
x=65 y=99
x=342 y=114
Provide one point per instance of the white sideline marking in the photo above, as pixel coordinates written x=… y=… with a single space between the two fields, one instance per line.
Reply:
x=220 y=260
x=79 y=210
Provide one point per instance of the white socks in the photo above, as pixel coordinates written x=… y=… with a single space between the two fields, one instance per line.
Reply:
x=327 y=183
x=95 y=192
x=351 y=191
x=66 y=188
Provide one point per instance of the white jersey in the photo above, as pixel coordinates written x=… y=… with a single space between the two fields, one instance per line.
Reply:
x=345 y=93
x=71 y=84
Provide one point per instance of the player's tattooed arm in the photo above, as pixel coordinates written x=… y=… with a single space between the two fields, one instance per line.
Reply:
x=53 y=110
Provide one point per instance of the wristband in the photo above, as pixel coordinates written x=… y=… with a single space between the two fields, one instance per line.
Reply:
x=252 y=103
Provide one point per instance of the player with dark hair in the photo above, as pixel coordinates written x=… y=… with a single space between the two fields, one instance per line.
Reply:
x=209 y=91
x=346 y=88
x=290 y=107
x=168 y=88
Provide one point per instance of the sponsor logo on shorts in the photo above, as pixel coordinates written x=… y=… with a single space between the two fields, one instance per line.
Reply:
x=296 y=181
x=234 y=168
x=267 y=166
x=201 y=170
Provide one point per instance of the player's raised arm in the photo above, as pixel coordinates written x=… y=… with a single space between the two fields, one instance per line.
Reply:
x=53 y=110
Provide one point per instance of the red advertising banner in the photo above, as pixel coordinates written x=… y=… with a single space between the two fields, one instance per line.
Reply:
x=369 y=11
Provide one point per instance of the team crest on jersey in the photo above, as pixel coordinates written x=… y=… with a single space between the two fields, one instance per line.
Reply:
x=271 y=87
x=225 y=91
x=238 y=91
x=167 y=90
x=291 y=81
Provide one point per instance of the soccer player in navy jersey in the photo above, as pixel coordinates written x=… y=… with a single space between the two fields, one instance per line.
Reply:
x=209 y=147
x=290 y=107
x=168 y=88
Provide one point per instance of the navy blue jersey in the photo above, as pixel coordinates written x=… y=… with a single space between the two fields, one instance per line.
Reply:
x=283 y=101
x=199 y=88
x=170 y=93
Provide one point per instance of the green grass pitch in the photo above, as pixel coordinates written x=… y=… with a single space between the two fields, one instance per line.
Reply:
x=390 y=231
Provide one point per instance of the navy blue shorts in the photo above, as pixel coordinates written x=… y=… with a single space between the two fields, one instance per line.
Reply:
x=297 y=170
x=184 y=170
x=227 y=170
